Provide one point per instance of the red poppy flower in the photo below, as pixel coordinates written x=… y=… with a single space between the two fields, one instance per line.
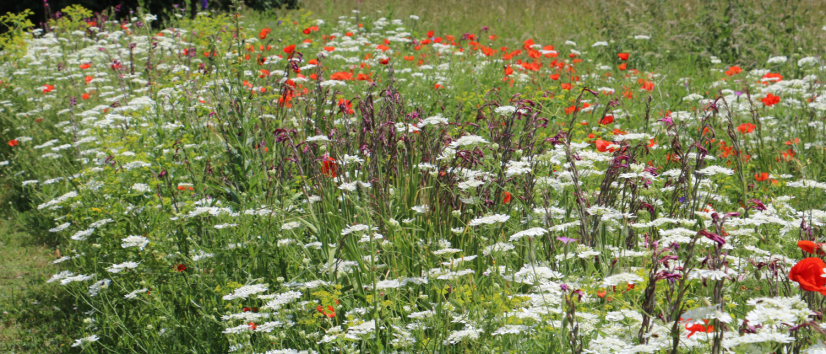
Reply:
x=554 y=77
x=699 y=328
x=85 y=96
x=507 y=198
x=623 y=56
x=47 y=88
x=384 y=61
x=85 y=66
x=345 y=106
x=329 y=311
x=341 y=76
x=180 y=267
x=13 y=142
x=328 y=166
x=508 y=70
x=746 y=128
x=734 y=70
x=264 y=32
x=289 y=49
x=773 y=77
x=623 y=66
x=284 y=101
x=760 y=177
x=808 y=273
x=606 y=120
x=770 y=100
x=811 y=247
x=788 y=154
x=602 y=145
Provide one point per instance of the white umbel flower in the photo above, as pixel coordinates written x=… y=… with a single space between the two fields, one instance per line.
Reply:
x=245 y=291
x=533 y=232
x=696 y=316
x=622 y=278
x=487 y=220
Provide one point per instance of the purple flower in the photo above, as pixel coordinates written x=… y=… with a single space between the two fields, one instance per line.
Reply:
x=758 y=205
x=670 y=277
x=566 y=240
x=670 y=257
x=564 y=287
x=714 y=237
x=579 y=293
x=204 y=5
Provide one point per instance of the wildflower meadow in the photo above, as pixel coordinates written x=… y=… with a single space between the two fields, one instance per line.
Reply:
x=382 y=178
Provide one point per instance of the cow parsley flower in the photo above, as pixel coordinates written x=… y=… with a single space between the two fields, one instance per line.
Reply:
x=60 y=227
x=698 y=315
x=510 y=329
x=468 y=140
x=498 y=247
x=117 y=268
x=82 y=235
x=622 y=278
x=533 y=232
x=487 y=220
x=469 y=333
x=134 y=241
x=245 y=291
x=277 y=301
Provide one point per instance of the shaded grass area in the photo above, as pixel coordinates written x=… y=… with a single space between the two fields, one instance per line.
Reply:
x=35 y=317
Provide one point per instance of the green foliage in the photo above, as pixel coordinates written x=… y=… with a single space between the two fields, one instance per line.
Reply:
x=12 y=42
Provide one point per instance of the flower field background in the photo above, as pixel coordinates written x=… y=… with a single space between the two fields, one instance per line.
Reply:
x=411 y=177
